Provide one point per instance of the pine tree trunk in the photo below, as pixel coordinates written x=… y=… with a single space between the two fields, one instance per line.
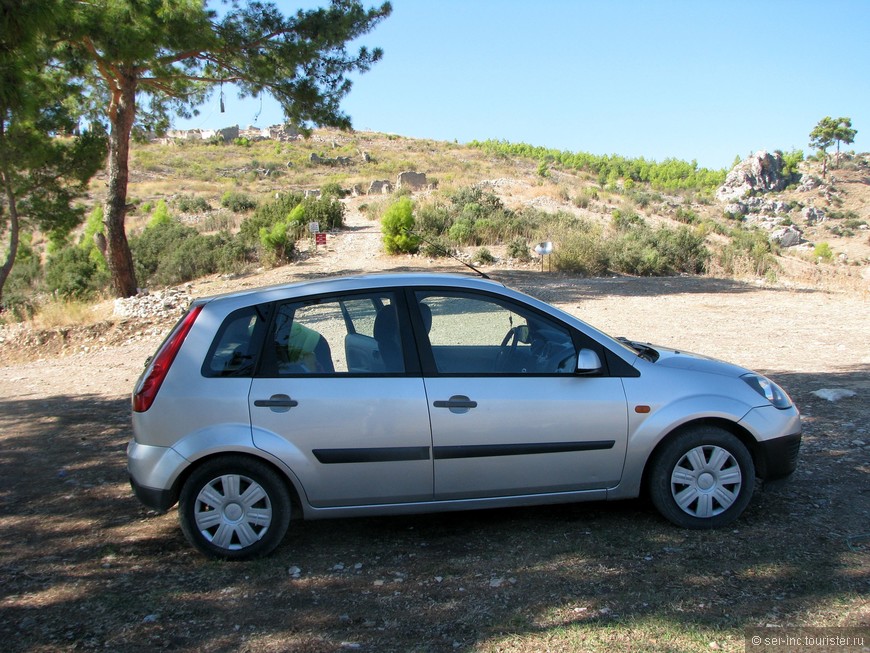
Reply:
x=120 y=260
x=6 y=268
x=14 y=224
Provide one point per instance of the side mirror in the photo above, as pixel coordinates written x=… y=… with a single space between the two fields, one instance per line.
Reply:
x=588 y=362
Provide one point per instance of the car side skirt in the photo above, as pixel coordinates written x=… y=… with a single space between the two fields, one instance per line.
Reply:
x=455 y=505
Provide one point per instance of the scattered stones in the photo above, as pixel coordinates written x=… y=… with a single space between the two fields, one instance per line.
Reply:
x=159 y=305
x=808 y=183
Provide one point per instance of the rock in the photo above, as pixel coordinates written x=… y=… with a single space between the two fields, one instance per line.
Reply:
x=834 y=394
x=762 y=172
x=808 y=183
x=787 y=236
x=412 y=180
x=812 y=215
x=380 y=187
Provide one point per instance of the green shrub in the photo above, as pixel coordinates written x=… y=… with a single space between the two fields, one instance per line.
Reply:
x=435 y=247
x=327 y=211
x=624 y=221
x=170 y=253
x=278 y=241
x=747 y=252
x=160 y=216
x=23 y=281
x=580 y=249
x=237 y=202
x=687 y=216
x=462 y=232
x=518 y=249
x=267 y=215
x=71 y=273
x=483 y=257
x=791 y=160
x=396 y=225
x=823 y=252
x=191 y=204
x=332 y=190
x=433 y=219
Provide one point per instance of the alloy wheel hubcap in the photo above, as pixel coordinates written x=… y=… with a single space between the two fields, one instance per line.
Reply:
x=233 y=511
x=706 y=481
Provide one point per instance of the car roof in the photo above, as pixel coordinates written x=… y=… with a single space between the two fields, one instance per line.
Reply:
x=356 y=282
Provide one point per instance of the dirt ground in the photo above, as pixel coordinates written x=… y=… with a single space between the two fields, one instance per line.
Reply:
x=84 y=566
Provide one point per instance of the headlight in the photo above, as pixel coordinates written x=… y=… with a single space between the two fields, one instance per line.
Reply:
x=768 y=389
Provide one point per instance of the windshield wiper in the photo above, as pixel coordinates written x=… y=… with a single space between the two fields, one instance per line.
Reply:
x=643 y=350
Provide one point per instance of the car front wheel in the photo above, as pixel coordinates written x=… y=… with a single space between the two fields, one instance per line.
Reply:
x=703 y=478
x=234 y=508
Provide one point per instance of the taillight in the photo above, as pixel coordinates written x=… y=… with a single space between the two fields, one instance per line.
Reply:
x=152 y=379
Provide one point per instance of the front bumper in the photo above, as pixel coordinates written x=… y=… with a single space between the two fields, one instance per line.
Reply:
x=778 y=458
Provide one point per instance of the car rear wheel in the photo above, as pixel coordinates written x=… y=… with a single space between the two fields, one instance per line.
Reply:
x=703 y=478
x=234 y=507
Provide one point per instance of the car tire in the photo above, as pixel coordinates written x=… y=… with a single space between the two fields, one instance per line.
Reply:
x=703 y=478
x=234 y=508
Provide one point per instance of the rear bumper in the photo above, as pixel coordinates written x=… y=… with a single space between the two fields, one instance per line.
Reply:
x=153 y=474
x=161 y=500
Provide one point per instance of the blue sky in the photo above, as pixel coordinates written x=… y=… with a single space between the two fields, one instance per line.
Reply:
x=704 y=80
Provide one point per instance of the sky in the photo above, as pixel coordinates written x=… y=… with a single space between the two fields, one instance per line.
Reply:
x=703 y=80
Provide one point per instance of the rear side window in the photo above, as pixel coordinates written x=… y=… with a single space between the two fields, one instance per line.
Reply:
x=351 y=334
x=236 y=345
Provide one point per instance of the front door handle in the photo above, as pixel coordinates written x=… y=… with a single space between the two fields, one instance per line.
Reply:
x=456 y=404
x=277 y=403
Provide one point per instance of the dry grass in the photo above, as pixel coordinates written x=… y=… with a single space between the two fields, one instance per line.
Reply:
x=56 y=313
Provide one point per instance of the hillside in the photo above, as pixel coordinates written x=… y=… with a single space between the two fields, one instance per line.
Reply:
x=184 y=170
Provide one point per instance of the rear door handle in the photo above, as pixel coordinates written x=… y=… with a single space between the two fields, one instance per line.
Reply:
x=277 y=402
x=456 y=404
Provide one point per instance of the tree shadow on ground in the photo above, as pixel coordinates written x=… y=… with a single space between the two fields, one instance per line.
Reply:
x=83 y=565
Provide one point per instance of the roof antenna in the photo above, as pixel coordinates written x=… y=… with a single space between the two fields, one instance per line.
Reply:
x=445 y=252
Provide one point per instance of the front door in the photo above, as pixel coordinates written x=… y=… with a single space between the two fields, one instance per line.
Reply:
x=509 y=416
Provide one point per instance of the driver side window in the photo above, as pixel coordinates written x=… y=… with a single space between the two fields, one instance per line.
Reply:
x=477 y=335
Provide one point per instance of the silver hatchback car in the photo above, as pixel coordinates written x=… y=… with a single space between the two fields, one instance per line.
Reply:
x=393 y=394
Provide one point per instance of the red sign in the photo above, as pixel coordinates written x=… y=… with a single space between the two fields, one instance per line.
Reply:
x=320 y=238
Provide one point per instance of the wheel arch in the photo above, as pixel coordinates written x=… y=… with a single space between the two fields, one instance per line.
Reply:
x=297 y=508
x=731 y=427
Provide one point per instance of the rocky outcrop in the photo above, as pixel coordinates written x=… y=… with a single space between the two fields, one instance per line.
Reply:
x=761 y=172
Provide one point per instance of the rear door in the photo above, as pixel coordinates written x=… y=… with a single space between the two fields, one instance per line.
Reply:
x=340 y=399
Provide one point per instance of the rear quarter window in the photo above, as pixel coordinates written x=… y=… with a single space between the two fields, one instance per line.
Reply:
x=236 y=346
